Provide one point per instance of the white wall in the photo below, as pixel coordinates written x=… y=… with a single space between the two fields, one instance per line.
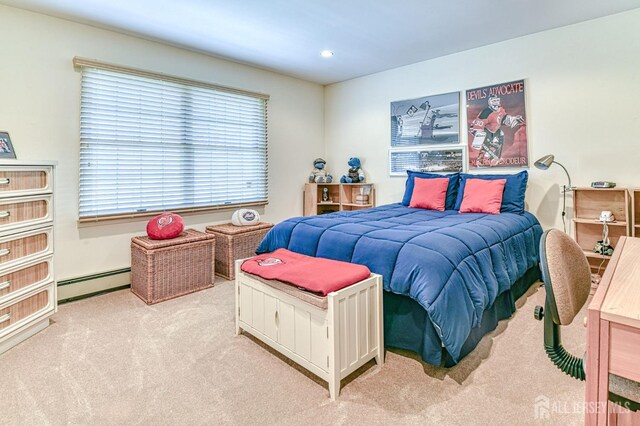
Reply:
x=40 y=109
x=583 y=87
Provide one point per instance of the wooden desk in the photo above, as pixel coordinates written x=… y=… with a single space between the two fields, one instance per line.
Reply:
x=613 y=335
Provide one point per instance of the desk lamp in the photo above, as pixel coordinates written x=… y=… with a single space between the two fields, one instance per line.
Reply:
x=543 y=164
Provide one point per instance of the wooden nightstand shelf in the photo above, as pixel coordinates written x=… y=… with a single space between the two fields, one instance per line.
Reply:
x=342 y=197
x=588 y=203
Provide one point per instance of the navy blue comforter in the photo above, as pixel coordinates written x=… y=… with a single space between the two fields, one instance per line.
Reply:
x=454 y=265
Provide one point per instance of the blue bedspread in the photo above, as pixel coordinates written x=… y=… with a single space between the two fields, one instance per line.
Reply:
x=454 y=265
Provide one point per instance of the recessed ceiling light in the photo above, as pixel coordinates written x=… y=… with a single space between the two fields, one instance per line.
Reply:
x=326 y=53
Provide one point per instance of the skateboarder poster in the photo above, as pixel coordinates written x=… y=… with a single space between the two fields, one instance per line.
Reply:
x=429 y=120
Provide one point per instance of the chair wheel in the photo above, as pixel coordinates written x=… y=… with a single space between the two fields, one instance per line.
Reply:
x=538 y=312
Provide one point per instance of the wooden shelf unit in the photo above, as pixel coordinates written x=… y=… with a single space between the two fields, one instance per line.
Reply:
x=588 y=203
x=635 y=211
x=342 y=197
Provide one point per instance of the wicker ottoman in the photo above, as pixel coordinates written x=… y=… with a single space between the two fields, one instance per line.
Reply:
x=236 y=242
x=164 y=269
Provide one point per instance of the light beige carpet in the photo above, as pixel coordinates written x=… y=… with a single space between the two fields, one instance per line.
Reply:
x=114 y=360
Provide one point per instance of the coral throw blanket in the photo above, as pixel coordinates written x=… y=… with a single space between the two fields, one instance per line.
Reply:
x=315 y=274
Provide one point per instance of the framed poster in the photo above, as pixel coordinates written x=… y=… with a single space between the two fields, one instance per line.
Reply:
x=435 y=160
x=428 y=120
x=496 y=120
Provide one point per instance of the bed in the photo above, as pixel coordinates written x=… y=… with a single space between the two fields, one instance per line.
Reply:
x=448 y=277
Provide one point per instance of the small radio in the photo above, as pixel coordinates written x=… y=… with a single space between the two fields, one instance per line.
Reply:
x=603 y=184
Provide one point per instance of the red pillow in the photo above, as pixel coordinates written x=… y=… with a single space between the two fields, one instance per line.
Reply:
x=429 y=193
x=165 y=226
x=482 y=196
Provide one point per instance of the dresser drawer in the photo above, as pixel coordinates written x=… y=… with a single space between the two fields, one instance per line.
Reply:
x=17 y=249
x=24 y=211
x=624 y=351
x=24 y=277
x=23 y=180
x=23 y=310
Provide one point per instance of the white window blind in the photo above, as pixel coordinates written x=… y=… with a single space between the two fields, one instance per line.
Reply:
x=151 y=144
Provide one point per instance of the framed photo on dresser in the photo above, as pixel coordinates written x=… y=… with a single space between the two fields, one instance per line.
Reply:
x=6 y=148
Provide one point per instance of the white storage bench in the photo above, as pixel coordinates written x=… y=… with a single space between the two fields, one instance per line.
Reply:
x=330 y=336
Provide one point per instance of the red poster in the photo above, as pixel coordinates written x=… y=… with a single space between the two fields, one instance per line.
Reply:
x=496 y=121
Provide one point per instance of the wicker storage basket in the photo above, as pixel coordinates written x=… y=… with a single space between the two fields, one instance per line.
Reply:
x=236 y=242
x=164 y=269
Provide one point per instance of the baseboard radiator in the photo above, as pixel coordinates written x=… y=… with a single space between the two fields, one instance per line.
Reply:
x=73 y=289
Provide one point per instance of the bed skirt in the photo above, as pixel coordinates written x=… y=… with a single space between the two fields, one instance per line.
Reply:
x=406 y=325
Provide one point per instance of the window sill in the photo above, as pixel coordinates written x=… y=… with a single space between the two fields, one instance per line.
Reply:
x=138 y=216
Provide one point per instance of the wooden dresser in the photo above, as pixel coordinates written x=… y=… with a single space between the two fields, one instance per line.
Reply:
x=27 y=285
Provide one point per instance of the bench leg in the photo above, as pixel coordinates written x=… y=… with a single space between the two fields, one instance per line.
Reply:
x=380 y=355
x=236 y=287
x=379 y=319
x=334 y=387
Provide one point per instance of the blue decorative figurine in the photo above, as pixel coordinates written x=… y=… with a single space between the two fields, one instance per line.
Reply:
x=356 y=174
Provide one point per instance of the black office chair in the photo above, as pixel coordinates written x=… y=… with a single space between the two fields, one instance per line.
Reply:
x=567 y=281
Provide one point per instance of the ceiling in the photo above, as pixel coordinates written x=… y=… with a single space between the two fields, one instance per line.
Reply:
x=367 y=36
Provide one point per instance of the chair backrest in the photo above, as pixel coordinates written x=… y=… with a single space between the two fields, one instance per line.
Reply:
x=566 y=274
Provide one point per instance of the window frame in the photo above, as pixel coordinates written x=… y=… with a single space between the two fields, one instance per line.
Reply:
x=80 y=63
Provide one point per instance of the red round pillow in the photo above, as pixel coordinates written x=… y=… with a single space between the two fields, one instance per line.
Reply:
x=165 y=226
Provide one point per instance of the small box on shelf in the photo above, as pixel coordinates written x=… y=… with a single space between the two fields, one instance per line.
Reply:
x=362 y=200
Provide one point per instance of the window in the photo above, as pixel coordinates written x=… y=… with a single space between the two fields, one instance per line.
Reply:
x=151 y=143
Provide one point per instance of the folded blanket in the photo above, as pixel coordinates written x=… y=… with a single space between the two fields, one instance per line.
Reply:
x=315 y=274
